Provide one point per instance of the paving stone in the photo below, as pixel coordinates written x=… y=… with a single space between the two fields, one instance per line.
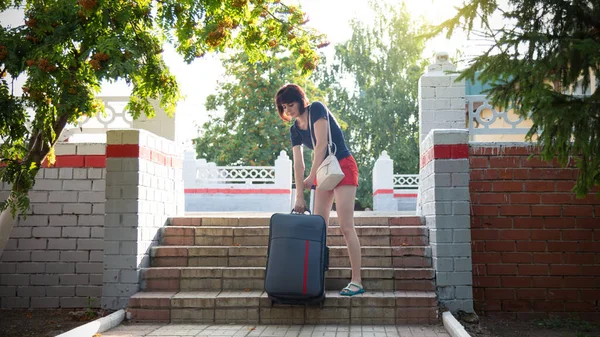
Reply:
x=262 y=330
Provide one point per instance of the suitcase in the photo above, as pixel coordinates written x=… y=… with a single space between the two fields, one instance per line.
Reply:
x=297 y=259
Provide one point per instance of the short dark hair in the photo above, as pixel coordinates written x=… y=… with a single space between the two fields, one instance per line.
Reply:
x=290 y=93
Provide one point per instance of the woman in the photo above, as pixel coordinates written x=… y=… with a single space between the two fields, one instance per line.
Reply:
x=292 y=103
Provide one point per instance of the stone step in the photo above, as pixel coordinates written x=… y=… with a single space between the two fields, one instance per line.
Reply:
x=256 y=256
x=259 y=236
x=254 y=307
x=241 y=278
x=233 y=220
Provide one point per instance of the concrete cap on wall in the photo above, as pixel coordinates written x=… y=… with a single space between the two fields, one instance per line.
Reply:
x=445 y=137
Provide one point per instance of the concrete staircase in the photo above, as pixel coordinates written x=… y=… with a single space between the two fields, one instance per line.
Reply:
x=211 y=270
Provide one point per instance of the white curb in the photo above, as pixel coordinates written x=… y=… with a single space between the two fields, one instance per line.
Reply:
x=454 y=328
x=98 y=326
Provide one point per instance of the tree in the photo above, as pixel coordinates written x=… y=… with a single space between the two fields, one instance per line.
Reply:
x=250 y=131
x=544 y=50
x=67 y=49
x=383 y=63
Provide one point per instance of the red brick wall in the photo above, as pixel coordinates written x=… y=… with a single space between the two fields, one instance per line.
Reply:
x=536 y=247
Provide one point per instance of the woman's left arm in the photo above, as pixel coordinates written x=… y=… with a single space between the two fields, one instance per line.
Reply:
x=320 y=150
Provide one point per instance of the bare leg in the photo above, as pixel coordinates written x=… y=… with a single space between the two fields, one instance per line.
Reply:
x=323 y=204
x=344 y=201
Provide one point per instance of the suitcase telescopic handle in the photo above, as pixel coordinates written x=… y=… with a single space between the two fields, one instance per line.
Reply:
x=311 y=204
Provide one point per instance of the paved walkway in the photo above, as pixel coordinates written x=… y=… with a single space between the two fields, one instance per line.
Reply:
x=192 y=330
x=333 y=214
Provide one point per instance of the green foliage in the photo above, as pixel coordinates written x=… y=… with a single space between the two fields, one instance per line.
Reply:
x=250 y=131
x=378 y=112
x=544 y=49
x=383 y=63
x=67 y=48
x=252 y=26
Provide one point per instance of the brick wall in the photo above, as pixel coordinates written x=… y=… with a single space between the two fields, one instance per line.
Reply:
x=144 y=186
x=444 y=178
x=535 y=246
x=54 y=257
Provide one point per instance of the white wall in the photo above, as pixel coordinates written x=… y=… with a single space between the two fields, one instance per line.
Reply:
x=54 y=257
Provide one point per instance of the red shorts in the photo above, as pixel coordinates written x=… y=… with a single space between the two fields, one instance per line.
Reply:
x=350 y=170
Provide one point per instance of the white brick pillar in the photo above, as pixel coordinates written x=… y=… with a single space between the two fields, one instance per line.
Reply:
x=442 y=102
x=144 y=186
x=283 y=179
x=383 y=184
x=445 y=201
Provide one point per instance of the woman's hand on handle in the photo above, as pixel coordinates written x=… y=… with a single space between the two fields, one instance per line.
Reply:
x=300 y=205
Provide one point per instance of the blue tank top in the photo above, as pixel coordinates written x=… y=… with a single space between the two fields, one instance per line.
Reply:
x=302 y=137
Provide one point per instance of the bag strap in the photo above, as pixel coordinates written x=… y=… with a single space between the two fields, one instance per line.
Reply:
x=330 y=144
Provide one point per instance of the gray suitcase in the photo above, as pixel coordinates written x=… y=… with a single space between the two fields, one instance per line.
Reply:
x=297 y=259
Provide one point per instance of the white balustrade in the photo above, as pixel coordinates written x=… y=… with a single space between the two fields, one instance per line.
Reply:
x=237 y=188
x=406 y=181
x=485 y=119
x=113 y=117
x=236 y=174
x=393 y=192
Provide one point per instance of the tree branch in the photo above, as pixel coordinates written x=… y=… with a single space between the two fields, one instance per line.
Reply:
x=274 y=17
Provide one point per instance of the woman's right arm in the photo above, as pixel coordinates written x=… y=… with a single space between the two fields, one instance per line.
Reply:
x=299 y=178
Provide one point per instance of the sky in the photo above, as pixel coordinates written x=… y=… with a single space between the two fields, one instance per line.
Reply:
x=331 y=17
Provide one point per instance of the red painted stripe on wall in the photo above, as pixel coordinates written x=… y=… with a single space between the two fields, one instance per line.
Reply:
x=77 y=161
x=95 y=161
x=405 y=195
x=236 y=191
x=383 y=191
x=114 y=151
x=136 y=151
x=453 y=151
x=122 y=151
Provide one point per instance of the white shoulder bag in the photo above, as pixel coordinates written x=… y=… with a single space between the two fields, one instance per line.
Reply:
x=329 y=173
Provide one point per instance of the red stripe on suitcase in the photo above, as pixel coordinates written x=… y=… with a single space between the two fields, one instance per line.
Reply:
x=305 y=269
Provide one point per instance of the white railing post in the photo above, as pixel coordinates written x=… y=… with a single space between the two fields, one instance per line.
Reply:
x=383 y=184
x=201 y=171
x=189 y=169
x=283 y=171
x=283 y=178
x=213 y=173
